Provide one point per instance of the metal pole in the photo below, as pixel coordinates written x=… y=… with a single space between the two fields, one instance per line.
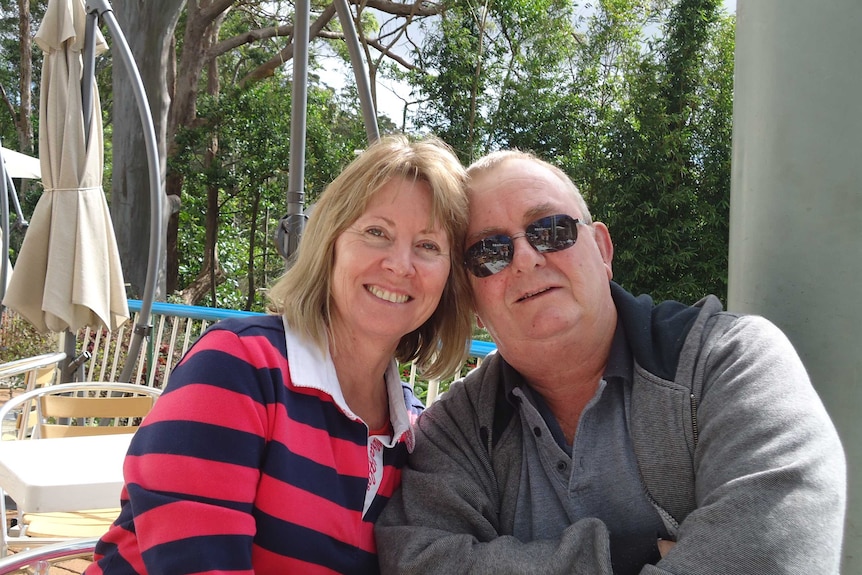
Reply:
x=88 y=75
x=291 y=226
x=363 y=87
x=22 y=221
x=142 y=328
x=5 y=190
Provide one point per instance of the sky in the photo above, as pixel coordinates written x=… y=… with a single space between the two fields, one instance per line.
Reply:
x=391 y=97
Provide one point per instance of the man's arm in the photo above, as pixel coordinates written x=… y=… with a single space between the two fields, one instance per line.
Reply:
x=771 y=477
x=445 y=518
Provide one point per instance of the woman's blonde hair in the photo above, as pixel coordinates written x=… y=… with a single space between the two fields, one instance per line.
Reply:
x=304 y=293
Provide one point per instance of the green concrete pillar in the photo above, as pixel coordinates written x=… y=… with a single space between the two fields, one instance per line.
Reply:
x=796 y=201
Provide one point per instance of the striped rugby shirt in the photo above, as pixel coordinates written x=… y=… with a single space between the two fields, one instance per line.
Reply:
x=246 y=465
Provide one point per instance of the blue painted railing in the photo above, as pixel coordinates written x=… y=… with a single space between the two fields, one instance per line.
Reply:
x=478 y=348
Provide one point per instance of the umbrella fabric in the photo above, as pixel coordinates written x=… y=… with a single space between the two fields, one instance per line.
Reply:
x=68 y=271
x=20 y=165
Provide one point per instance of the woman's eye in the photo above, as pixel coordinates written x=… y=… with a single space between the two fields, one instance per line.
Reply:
x=376 y=232
x=430 y=246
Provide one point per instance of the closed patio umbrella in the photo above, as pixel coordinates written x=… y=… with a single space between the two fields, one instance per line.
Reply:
x=68 y=272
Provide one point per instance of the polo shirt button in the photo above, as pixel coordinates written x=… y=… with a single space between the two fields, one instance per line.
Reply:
x=561 y=466
x=537 y=432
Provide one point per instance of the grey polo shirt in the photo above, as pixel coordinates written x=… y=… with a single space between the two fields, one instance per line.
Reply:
x=597 y=476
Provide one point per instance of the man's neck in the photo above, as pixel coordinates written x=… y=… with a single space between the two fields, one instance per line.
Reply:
x=567 y=399
x=566 y=376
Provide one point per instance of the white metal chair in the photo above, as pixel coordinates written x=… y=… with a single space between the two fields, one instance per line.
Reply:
x=30 y=372
x=71 y=410
x=38 y=561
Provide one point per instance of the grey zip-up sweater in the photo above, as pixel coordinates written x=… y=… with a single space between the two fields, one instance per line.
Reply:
x=734 y=447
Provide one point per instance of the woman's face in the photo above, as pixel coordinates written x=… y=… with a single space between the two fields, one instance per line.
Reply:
x=390 y=266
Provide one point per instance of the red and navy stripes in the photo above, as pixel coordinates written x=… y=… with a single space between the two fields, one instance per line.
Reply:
x=237 y=470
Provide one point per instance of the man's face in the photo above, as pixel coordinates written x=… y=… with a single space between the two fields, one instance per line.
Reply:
x=539 y=297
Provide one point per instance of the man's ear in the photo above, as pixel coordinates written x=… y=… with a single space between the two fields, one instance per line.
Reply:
x=605 y=245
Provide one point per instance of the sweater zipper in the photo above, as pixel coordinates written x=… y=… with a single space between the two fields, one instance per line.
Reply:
x=694 y=429
x=667 y=518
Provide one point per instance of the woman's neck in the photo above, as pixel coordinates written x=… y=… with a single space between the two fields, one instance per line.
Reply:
x=361 y=370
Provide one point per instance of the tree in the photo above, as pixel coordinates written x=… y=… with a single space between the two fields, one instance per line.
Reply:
x=148 y=27
x=634 y=103
x=489 y=74
x=239 y=189
x=663 y=186
x=266 y=30
x=18 y=74
x=16 y=130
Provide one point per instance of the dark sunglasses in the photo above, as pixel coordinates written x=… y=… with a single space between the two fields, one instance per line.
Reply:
x=549 y=234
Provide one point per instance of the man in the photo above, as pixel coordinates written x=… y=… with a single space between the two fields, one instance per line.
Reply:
x=610 y=435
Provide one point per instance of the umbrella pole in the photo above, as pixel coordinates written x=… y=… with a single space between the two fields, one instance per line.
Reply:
x=291 y=225
x=88 y=78
x=88 y=73
x=142 y=328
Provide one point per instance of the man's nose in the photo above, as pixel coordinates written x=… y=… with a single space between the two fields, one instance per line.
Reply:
x=525 y=256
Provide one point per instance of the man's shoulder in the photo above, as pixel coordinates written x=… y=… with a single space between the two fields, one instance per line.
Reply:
x=472 y=396
x=658 y=335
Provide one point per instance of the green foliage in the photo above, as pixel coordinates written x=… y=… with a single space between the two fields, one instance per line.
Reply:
x=663 y=182
x=494 y=70
x=634 y=102
x=454 y=92
x=250 y=172
x=10 y=65
x=18 y=339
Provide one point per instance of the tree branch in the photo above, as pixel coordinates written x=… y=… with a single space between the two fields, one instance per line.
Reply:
x=250 y=37
x=418 y=8
x=267 y=68
x=9 y=105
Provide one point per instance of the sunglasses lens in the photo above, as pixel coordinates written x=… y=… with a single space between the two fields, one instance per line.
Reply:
x=553 y=233
x=489 y=256
x=492 y=254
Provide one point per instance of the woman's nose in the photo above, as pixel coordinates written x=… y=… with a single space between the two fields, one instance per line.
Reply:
x=399 y=260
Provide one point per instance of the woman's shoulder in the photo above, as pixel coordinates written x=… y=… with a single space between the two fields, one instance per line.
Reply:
x=268 y=327
x=242 y=335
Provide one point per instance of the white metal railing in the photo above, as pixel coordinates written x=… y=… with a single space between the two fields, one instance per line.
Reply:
x=175 y=328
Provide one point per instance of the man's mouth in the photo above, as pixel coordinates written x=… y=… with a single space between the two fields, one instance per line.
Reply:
x=533 y=294
x=388 y=295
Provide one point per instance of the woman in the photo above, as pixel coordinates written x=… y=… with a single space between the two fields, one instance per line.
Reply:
x=280 y=438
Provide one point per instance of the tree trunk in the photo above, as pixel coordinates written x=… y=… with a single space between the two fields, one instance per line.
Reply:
x=203 y=20
x=148 y=27
x=203 y=284
x=23 y=123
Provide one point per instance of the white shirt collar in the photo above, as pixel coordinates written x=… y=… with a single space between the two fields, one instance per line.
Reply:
x=313 y=368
